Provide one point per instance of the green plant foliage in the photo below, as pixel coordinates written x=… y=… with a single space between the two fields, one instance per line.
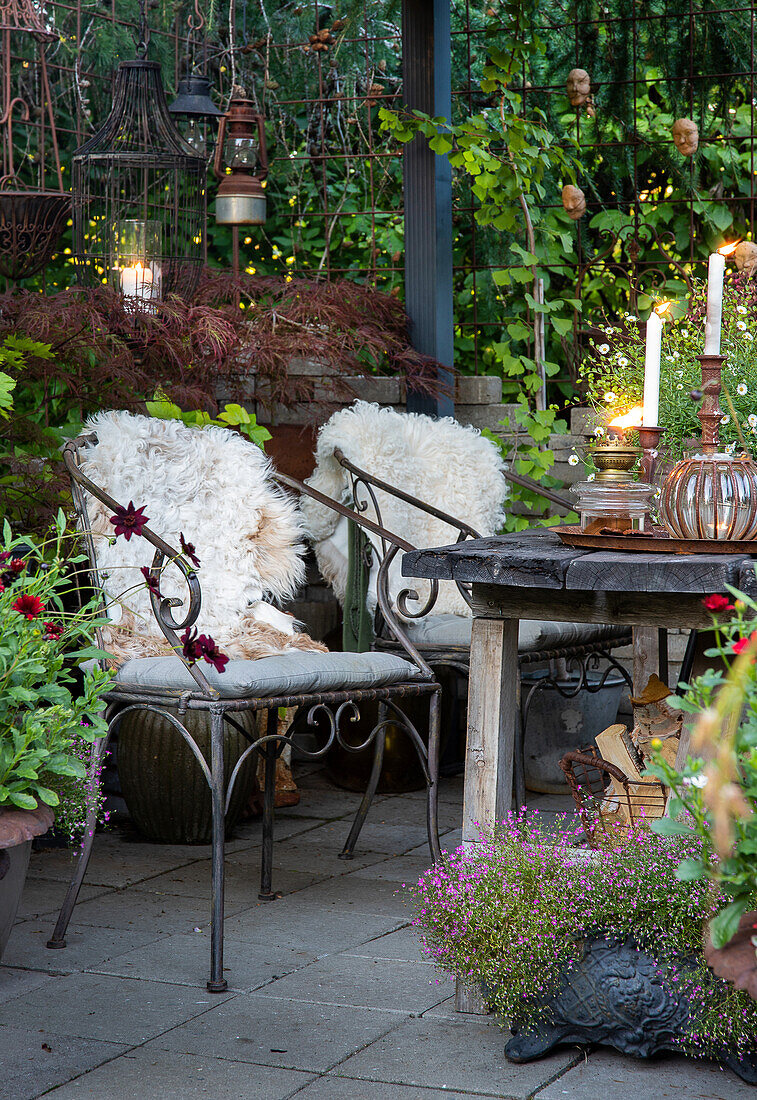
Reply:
x=613 y=371
x=45 y=715
x=511 y=914
x=720 y=797
x=230 y=416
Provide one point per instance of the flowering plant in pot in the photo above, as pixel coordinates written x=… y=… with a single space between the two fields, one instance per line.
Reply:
x=49 y=708
x=571 y=946
x=717 y=787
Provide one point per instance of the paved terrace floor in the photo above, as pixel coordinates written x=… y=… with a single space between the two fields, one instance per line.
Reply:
x=329 y=995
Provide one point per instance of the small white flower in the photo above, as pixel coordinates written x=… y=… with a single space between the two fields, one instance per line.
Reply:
x=679 y=386
x=610 y=397
x=684 y=332
x=726 y=419
x=741 y=326
x=752 y=420
x=590 y=477
x=676 y=355
x=741 y=389
x=622 y=361
x=730 y=448
x=695 y=781
x=599 y=431
x=573 y=460
x=603 y=348
x=632 y=317
x=741 y=309
x=748 y=336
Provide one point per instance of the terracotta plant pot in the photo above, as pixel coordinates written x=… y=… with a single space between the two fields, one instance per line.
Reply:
x=161 y=781
x=17 y=829
x=737 y=961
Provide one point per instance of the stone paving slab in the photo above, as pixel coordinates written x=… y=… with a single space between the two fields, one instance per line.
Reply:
x=151 y=1074
x=341 y=1088
x=241 y=886
x=467 y=1055
x=185 y=960
x=115 y=862
x=119 y=1010
x=298 y=920
x=86 y=945
x=149 y=911
x=360 y=892
x=363 y=983
x=31 y=1062
x=278 y=1032
x=15 y=983
x=404 y=944
x=44 y=897
x=670 y=1077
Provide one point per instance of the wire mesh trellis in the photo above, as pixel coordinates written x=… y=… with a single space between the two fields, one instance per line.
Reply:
x=320 y=72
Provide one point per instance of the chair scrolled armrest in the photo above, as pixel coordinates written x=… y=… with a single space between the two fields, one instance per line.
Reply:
x=162 y=606
x=391 y=545
x=362 y=478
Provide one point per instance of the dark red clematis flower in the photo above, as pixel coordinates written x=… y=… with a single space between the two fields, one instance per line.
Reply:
x=717 y=604
x=13 y=572
x=189 y=550
x=741 y=643
x=4 y=555
x=53 y=631
x=211 y=653
x=190 y=644
x=151 y=581
x=28 y=606
x=129 y=521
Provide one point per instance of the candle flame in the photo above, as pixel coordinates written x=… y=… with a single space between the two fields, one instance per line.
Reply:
x=662 y=307
x=632 y=419
x=727 y=249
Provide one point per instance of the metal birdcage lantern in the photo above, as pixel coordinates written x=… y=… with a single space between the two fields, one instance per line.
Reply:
x=31 y=215
x=139 y=194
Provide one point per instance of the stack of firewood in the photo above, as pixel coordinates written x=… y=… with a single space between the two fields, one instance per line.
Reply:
x=640 y=799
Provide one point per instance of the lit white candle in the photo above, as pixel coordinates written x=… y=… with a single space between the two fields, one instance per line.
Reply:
x=712 y=325
x=652 y=370
x=136 y=282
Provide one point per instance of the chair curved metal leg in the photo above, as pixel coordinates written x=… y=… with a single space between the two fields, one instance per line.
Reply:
x=217 y=982
x=58 y=938
x=269 y=795
x=348 y=851
x=432 y=803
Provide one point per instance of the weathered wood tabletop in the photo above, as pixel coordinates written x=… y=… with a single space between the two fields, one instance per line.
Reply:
x=533 y=575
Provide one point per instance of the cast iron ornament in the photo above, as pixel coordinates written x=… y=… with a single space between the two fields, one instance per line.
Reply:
x=614 y=995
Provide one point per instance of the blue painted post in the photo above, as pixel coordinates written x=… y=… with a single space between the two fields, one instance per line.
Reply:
x=427 y=82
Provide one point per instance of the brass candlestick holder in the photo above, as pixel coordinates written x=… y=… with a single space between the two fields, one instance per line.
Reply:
x=712 y=495
x=649 y=441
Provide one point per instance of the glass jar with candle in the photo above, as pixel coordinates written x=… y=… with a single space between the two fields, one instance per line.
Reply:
x=608 y=507
x=138 y=268
x=711 y=496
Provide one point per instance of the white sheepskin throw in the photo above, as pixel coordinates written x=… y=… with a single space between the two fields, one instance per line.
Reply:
x=441 y=462
x=214 y=487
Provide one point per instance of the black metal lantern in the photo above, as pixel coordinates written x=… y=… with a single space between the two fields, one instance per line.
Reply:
x=139 y=196
x=197 y=110
x=241 y=164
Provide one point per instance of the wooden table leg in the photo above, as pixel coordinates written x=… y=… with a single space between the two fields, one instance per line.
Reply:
x=646 y=656
x=492 y=718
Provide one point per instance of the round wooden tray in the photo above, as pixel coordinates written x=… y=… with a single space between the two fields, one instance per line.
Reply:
x=659 y=542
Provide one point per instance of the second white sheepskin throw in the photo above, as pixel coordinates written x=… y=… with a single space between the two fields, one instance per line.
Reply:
x=442 y=462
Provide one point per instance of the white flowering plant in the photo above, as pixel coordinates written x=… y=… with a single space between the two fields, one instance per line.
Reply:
x=613 y=369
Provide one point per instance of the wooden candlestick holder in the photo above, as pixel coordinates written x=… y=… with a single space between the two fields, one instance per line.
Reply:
x=710 y=413
x=649 y=440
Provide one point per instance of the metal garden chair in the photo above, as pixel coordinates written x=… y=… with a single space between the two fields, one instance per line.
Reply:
x=325 y=688
x=444 y=640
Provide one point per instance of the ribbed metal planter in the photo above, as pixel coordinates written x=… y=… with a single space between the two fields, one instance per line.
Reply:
x=161 y=781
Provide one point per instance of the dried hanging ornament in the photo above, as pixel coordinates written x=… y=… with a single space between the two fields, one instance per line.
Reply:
x=686 y=136
x=574 y=201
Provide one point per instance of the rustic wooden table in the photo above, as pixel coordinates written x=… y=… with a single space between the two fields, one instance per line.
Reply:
x=532 y=575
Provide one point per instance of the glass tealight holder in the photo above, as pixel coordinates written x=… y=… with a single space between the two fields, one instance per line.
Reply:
x=614 y=506
x=711 y=496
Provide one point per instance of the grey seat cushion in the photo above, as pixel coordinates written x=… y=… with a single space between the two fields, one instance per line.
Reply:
x=295 y=672
x=533 y=634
